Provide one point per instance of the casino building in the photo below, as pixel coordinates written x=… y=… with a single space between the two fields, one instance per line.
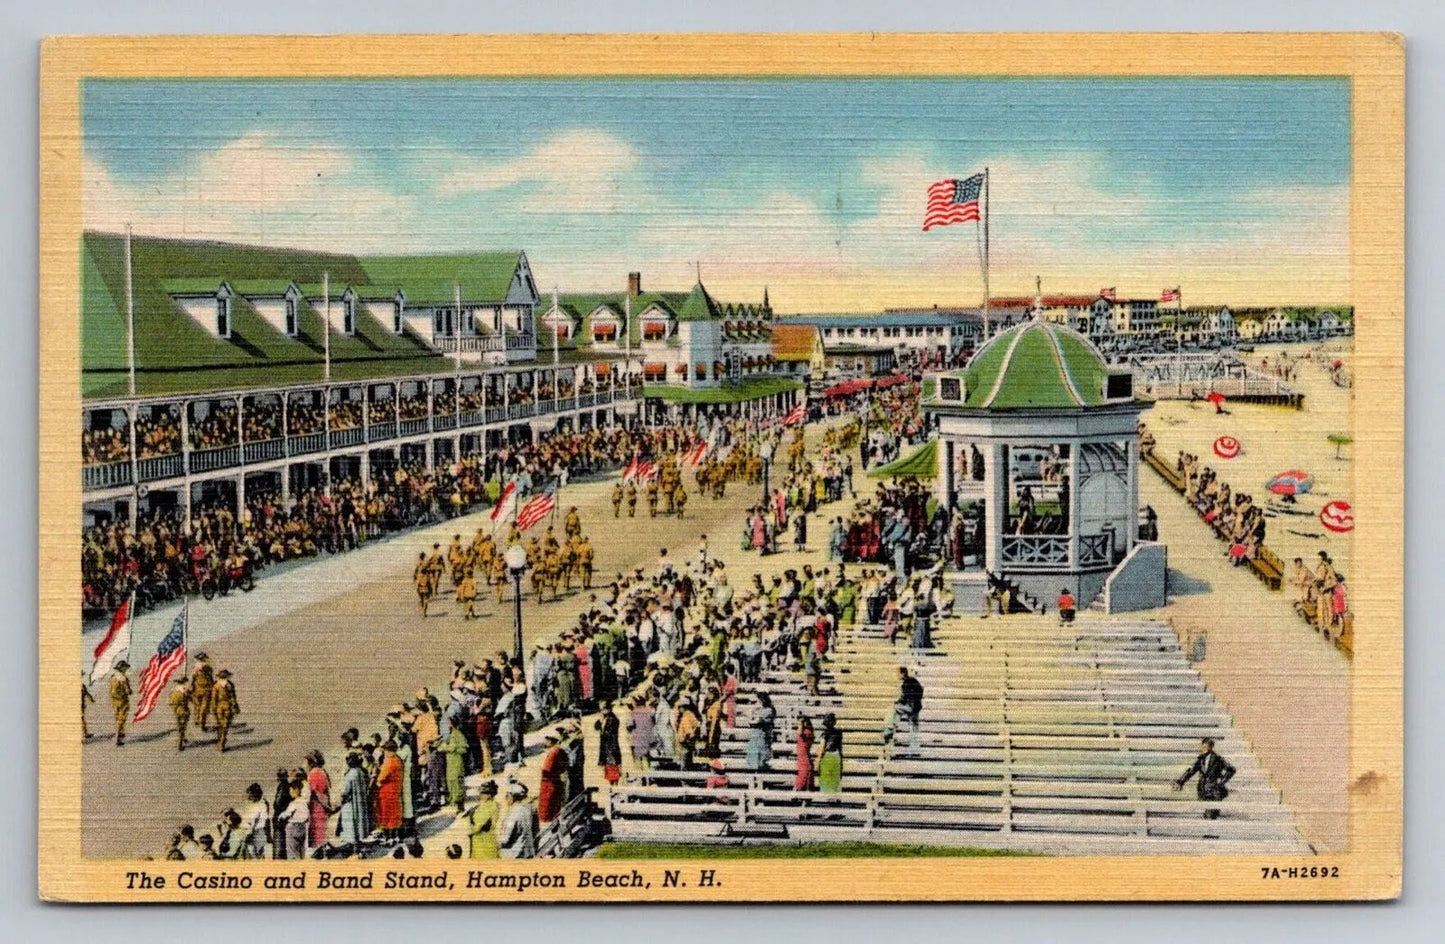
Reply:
x=254 y=369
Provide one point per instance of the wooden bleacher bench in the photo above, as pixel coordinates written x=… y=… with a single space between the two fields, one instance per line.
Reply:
x=1268 y=567
x=1166 y=471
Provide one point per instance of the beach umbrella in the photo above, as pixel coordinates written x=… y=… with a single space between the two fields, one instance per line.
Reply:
x=1293 y=482
x=1215 y=397
x=1227 y=447
x=1338 y=517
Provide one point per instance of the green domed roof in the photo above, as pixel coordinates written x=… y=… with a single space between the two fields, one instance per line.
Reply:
x=1037 y=365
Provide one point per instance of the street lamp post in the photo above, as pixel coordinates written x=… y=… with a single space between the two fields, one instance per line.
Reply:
x=516 y=558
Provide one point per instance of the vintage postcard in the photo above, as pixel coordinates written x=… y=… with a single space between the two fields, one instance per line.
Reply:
x=711 y=468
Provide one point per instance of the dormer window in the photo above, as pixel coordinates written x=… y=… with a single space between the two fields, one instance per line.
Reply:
x=397 y=325
x=604 y=332
x=348 y=313
x=292 y=322
x=223 y=316
x=654 y=330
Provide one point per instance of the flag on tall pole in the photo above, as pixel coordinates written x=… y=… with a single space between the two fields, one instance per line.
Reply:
x=116 y=644
x=169 y=656
x=1107 y=293
x=1169 y=295
x=957 y=200
x=796 y=415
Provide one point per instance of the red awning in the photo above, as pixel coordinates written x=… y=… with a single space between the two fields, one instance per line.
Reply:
x=848 y=387
x=893 y=380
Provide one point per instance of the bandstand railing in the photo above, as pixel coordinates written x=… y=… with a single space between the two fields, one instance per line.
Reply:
x=1021 y=551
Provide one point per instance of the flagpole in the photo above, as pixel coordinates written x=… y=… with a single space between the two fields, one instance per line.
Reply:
x=129 y=319
x=986 y=324
x=186 y=637
x=326 y=331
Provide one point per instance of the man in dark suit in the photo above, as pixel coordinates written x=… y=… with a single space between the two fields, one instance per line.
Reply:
x=1214 y=772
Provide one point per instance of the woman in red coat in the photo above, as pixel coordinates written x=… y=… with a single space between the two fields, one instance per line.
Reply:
x=388 y=792
x=554 y=780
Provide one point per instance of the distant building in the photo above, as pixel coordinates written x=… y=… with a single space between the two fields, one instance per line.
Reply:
x=935 y=335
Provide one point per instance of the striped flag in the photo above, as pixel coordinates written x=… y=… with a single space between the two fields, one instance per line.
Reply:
x=696 y=453
x=537 y=508
x=645 y=471
x=170 y=655
x=953 y=201
x=795 y=416
x=1169 y=295
x=630 y=473
x=116 y=644
x=506 y=504
x=1107 y=293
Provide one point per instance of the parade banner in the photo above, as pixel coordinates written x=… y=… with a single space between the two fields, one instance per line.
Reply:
x=949 y=574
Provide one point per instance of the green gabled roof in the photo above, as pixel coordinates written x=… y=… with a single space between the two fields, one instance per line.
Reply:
x=260 y=287
x=175 y=354
x=1036 y=365
x=698 y=306
x=432 y=280
x=749 y=389
x=922 y=463
x=193 y=286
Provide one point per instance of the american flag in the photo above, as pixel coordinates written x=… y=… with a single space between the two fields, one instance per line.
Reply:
x=695 y=455
x=170 y=655
x=953 y=201
x=1107 y=293
x=537 y=508
x=1169 y=295
x=796 y=415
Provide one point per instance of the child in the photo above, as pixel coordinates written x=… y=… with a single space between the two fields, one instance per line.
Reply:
x=1066 y=604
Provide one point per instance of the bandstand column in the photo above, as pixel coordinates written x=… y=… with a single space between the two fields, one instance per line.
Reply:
x=995 y=483
x=1074 y=483
x=186 y=458
x=1131 y=528
x=946 y=480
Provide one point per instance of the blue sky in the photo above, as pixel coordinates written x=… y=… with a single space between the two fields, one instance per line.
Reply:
x=1234 y=187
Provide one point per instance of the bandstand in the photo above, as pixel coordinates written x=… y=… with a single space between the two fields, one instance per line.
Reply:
x=1038 y=451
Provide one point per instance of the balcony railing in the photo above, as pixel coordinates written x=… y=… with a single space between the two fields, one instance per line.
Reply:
x=476 y=417
x=440 y=421
x=378 y=431
x=414 y=427
x=209 y=460
x=1025 y=551
x=520 y=411
x=265 y=450
x=305 y=444
x=496 y=414
x=340 y=438
x=161 y=467
x=1094 y=550
x=105 y=476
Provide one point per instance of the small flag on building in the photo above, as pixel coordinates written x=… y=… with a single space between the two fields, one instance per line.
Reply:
x=506 y=504
x=116 y=644
x=953 y=201
x=1169 y=295
x=537 y=508
x=170 y=655
x=1107 y=293
x=795 y=416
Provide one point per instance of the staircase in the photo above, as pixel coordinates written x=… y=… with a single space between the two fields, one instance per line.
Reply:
x=1034 y=737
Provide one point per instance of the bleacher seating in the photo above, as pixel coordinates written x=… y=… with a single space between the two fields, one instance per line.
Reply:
x=1034 y=737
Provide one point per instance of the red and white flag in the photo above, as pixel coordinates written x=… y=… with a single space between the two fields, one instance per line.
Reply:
x=1169 y=295
x=1107 y=293
x=630 y=473
x=696 y=453
x=116 y=644
x=645 y=471
x=537 y=508
x=796 y=415
x=170 y=655
x=506 y=504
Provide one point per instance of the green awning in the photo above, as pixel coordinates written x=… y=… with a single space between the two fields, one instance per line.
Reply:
x=922 y=463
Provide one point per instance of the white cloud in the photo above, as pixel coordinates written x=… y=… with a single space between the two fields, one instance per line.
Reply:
x=574 y=171
x=254 y=188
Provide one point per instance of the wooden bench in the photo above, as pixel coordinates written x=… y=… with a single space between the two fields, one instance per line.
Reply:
x=1268 y=567
x=1166 y=471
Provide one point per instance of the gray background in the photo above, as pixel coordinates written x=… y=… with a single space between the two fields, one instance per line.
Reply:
x=1416 y=917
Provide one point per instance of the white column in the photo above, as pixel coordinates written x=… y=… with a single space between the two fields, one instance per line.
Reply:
x=995 y=483
x=946 y=480
x=1131 y=529
x=1074 y=536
